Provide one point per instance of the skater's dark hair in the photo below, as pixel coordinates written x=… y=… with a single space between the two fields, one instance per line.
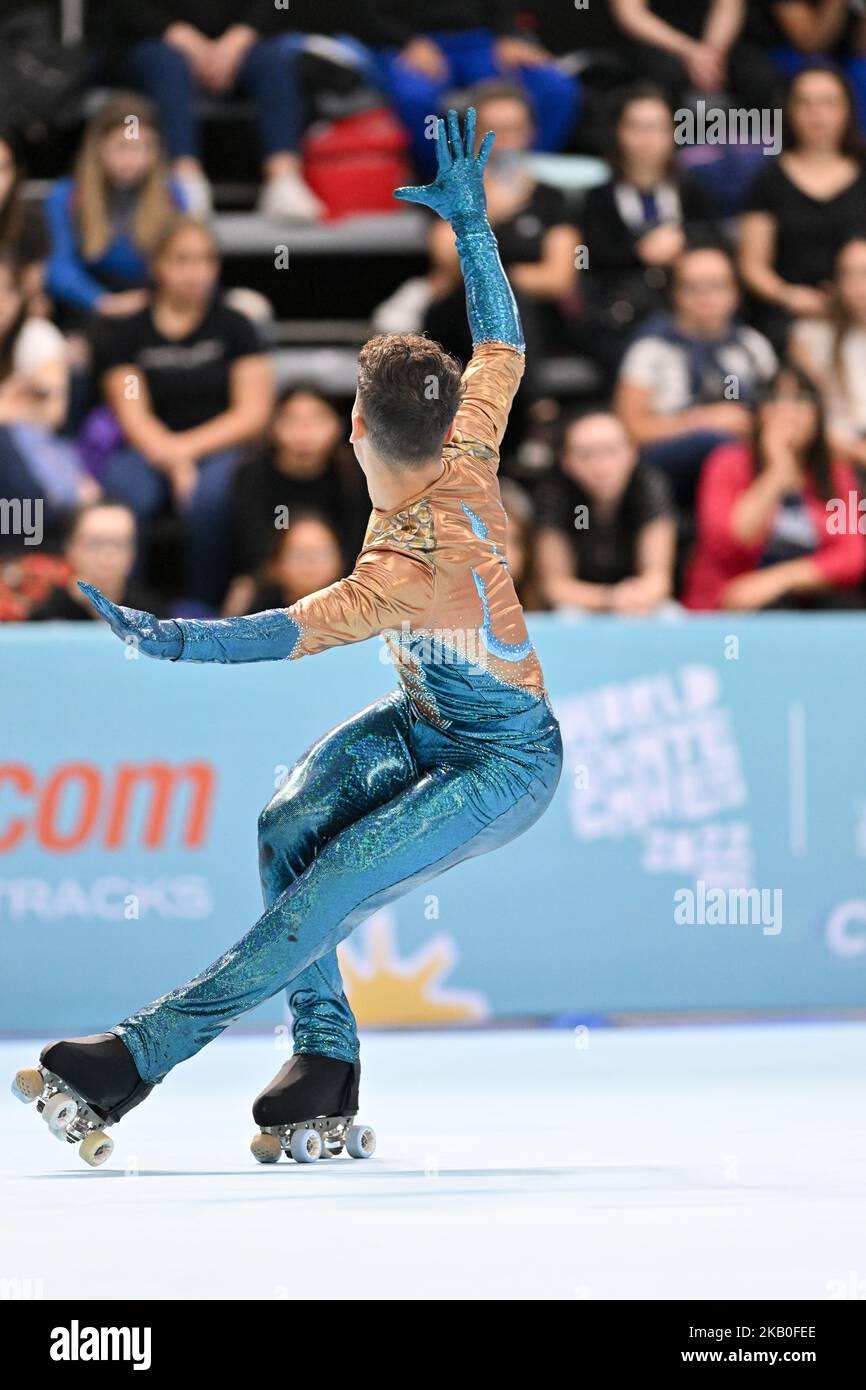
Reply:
x=409 y=389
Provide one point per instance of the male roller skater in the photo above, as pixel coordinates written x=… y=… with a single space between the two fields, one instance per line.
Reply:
x=461 y=758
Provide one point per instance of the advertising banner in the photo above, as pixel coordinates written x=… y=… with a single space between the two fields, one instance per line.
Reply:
x=706 y=849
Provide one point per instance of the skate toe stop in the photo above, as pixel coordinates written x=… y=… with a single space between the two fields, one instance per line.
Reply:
x=266 y=1148
x=28 y=1084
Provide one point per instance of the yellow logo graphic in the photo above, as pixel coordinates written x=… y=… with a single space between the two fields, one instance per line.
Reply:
x=387 y=992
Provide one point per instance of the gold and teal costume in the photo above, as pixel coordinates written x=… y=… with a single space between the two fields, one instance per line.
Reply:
x=461 y=758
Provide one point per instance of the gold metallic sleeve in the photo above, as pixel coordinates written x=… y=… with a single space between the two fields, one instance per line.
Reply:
x=490 y=385
x=385 y=589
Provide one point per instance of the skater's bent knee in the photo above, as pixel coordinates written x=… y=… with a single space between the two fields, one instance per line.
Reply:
x=279 y=823
x=268 y=822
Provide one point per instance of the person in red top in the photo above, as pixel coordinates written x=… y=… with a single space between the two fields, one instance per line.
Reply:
x=766 y=538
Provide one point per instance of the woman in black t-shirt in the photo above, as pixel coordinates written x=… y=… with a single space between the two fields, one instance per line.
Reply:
x=606 y=529
x=636 y=224
x=306 y=467
x=804 y=206
x=190 y=385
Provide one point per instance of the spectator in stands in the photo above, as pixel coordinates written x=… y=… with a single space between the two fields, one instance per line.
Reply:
x=105 y=221
x=431 y=46
x=23 y=234
x=307 y=557
x=27 y=576
x=797 y=31
x=99 y=548
x=181 y=48
x=636 y=224
x=803 y=206
x=606 y=533
x=536 y=238
x=690 y=380
x=694 y=47
x=190 y=386
x=306 y=467
x=36 y=462
x=520 y=544
x=833 y=352
x=764 y=533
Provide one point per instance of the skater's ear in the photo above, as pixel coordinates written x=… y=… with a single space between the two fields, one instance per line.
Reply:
x=359 y=424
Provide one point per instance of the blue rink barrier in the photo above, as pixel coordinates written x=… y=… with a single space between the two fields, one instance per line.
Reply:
x=706 y=849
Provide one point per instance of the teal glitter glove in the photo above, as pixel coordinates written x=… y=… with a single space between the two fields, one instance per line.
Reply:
x=269 y=636
x=457 y=195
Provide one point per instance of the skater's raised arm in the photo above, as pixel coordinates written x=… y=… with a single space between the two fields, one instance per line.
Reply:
x=386 y=589
x=457 y=195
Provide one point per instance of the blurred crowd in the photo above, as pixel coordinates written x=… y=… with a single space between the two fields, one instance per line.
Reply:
x=715 y=286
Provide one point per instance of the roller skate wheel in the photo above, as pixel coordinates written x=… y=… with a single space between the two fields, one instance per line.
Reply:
x=266 y=1148
x=306 y=1145
x=28 y=1084
x=58 y=1113
x=360 y=1141
x=96 y=1147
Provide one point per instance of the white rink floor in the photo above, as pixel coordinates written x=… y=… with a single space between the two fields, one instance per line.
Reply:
x=665 y=1163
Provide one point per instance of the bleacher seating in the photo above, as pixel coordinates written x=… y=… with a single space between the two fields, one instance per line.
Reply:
x=346 y=267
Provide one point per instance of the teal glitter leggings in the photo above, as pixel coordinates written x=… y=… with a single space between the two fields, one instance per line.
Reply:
x=379 y=805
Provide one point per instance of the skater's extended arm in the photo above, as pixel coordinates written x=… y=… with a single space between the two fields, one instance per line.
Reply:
x=457 y=194
x=385 y=589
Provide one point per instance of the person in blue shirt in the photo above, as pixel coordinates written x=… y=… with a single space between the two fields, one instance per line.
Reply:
x=104 y=221
x=425 y=48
